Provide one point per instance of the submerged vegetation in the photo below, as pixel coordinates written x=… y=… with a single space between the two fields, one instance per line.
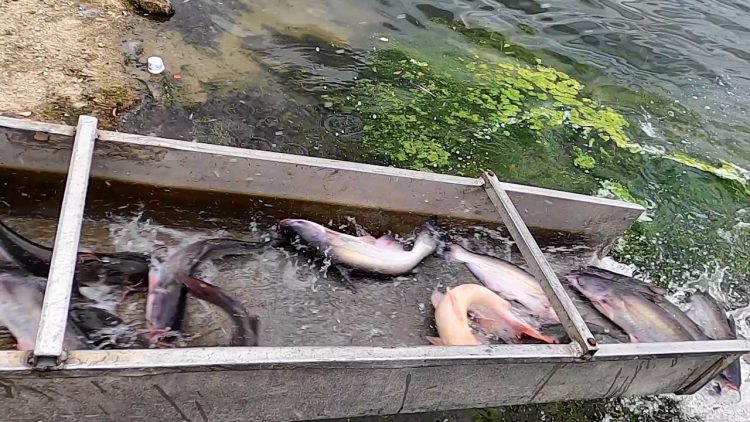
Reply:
x=444 y=120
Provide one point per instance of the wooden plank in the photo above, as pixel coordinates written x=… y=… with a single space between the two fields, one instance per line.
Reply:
x=571 y=320
x=51 y=332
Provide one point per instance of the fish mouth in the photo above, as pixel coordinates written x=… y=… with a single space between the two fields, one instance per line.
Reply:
x=732 y=386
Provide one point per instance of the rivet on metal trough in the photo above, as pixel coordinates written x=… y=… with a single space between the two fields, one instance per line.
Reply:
x=591 y=341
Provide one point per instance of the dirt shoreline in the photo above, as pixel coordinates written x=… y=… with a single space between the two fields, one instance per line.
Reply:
x=61 y=58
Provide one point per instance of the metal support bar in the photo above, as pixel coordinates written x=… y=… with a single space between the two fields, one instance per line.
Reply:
x=48 y=351
x=569 y=317
x=701 y=379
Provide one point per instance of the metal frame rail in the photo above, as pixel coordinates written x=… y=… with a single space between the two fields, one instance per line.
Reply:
x=569 y=317
x=48 y=351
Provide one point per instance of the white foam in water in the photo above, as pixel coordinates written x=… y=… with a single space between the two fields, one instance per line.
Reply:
x=646 y=126
x=132 y=234
x=608 y=263
x=727 y=407
x=105 y=296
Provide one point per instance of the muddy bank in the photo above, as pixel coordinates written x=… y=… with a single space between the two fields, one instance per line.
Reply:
x=245 y=83
x=61 y=58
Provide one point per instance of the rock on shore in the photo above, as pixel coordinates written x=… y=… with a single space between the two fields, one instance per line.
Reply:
x=155 y=7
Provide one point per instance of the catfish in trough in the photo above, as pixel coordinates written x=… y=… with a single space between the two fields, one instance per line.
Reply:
x=120 y=268
x=508 y=280
x=622 y=280
x=640 y=318
x=651 y=292
x=381 y=256
x=592 y=316
x=21 y=298
x=717 y=325
x=171 y=279
x=491 y=312
x=246 y=325
x=104 y=330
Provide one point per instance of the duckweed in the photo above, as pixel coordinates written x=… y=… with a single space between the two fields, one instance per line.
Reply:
x=424 y=118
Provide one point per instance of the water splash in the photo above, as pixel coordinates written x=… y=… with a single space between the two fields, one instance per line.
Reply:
x=727 y=407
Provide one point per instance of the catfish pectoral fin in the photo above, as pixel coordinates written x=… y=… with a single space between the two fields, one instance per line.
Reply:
x=346 y=276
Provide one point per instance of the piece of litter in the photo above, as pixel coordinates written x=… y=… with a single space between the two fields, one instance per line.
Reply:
x=155 y=65
x=384 y=39
x=25 y=113
x=401 y=16
x=177 y=77
x=317 y=49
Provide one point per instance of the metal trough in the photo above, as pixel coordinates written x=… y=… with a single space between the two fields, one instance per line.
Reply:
x=298 y=383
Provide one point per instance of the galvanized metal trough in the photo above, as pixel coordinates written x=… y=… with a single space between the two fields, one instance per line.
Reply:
x=298 y=383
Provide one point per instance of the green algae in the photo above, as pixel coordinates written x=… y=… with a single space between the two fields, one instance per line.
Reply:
x=617 y=190
x=725 y=170
x=583 y=160
x=472 y=115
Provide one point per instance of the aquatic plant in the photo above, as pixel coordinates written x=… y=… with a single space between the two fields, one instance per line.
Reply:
x=617 y=190
x=425 y=118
